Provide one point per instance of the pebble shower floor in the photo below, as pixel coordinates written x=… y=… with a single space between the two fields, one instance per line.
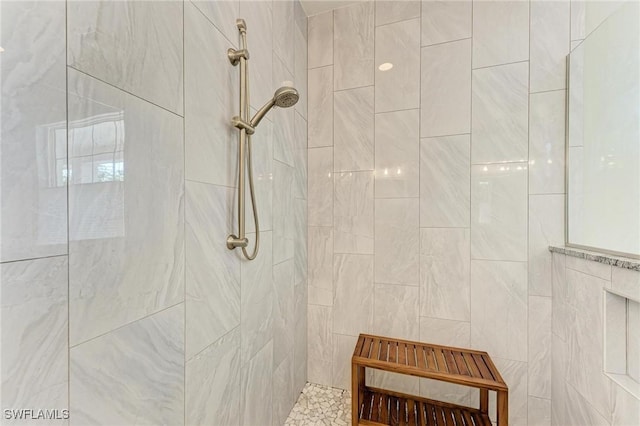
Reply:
x=319 y=406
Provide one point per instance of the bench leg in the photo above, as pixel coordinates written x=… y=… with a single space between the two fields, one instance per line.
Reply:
x=357 y=392
x=502 y=409
x=484 y=400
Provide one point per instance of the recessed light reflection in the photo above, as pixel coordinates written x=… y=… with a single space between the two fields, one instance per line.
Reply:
x=386 y=66
x=1 y=49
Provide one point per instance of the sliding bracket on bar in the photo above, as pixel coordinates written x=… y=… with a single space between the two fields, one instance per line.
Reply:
x=243 y=124
x=233 y=242
x=235 y=55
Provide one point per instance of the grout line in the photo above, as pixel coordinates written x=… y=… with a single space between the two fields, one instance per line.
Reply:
x=184 y=217
x=220 y=30
x=352 y=88
x=66 y=70
x=446 y=136
x=446 y=42
x=42 y=257
x=528 y=207
x=226 y=334
x=398 y=110
x=125 y=91
x=545 y=91
x=468 y=253
x=373 y=178
x=120 y=327
x=209 y=183
x=500 y=65
x=333 y=183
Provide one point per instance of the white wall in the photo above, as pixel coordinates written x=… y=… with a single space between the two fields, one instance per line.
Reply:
x=164 y=323
x=582 y=393
x=436 y=187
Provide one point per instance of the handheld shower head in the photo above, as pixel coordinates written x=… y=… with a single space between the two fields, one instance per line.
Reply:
x=284 y=97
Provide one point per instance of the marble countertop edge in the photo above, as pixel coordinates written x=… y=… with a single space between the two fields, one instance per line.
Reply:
x=607 y=259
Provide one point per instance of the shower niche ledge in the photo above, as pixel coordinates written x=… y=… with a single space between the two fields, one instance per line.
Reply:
x=606 y=258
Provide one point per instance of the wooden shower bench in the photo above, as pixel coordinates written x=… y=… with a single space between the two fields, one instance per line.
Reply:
x=373 y=406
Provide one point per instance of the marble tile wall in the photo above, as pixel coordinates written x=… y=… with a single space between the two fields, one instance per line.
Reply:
x=138 y=312
x=464 y=139
x=581 y=392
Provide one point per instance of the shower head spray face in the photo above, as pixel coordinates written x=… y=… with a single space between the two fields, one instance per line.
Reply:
x=286 y=97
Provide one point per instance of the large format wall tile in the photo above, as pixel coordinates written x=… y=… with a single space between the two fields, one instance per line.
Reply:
x=499 y=212
x=539 y=411
x=547 y=143
x=256 y=304
x=300 y=158
x=320 y=344
x=397 y=241
x=449 y=333
x=321 y=107
x=300 y=241
x=444 y=273
x=210 y=100
x=550 y=27
x=444 y=21
x=396 y=312
x=514 y=374
x=444 y=181
x=399 y=87
x=223 y=15
x=546 y=227
x=353 y=281
x=445 y=99
x=353 y=213
x=263 y=178
x=320 y=38
x=34 y=334
x=258 y=16
x=499 y=294
x=626 y=408
x=300 y=338
x=626 y=282
x=354 y=129
x=213 y=383
x=397 y=154
x=256 y=386
x=500 y=114
x=283 y=118
x=389 y=11
x=539 y=335
x=320 y=196
x=33 y=164
x=500 y=32
x=320 y=265
x=125 y=209
x=213 y=271
x=282 y=390
x=135 y=46
x=132 y=374
x=283 y=309
x=283 y=222
x=343 y=346
x=353 y=50
x=300 y=69
x=284 y=32
x=585 y=363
